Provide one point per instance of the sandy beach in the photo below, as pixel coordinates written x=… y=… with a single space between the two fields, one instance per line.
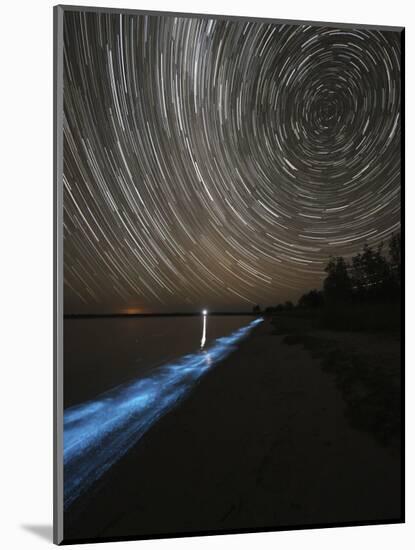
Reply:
x=265 y=441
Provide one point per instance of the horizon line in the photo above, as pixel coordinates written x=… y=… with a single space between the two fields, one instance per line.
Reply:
x=158 y=314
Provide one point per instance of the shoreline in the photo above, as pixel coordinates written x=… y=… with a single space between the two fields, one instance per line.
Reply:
x=263 y=441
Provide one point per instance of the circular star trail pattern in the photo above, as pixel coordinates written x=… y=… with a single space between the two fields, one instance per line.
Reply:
x=221 y=162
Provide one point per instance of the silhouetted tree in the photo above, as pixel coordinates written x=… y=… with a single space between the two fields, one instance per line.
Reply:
x=256 y=309
x=371 y=275
x=395 y=259
x=337 y=284
x=312 y=299
x=286 y=306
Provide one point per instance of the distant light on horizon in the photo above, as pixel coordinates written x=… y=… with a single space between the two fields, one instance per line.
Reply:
x=205 y=312
x=132 y=310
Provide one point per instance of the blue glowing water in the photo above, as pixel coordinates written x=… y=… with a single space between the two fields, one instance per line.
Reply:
x=99 y=432
x=102 y=353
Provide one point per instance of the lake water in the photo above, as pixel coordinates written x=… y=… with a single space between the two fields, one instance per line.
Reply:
x=102 y=353
x=122 y=375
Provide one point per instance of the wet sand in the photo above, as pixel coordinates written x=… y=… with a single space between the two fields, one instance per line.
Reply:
x=263 y=442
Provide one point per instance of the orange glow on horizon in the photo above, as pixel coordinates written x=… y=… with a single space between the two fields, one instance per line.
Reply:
x=133 y=310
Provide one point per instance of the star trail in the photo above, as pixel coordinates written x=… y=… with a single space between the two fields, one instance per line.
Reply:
x=221 y=162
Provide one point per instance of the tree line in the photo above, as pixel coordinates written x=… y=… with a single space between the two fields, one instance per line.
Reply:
x=371 y=276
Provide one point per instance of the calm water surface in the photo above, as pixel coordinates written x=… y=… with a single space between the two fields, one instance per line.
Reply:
x=100 y=354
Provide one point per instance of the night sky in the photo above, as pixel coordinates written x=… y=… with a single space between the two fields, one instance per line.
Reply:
x=213 y=163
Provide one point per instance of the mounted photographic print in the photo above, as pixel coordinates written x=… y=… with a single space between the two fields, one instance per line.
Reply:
x=228 y=280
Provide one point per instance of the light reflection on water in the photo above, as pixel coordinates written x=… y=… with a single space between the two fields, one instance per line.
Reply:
x=203 y=341
x=99 y=432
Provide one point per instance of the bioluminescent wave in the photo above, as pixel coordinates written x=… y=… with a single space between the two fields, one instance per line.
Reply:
x=99 y=432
